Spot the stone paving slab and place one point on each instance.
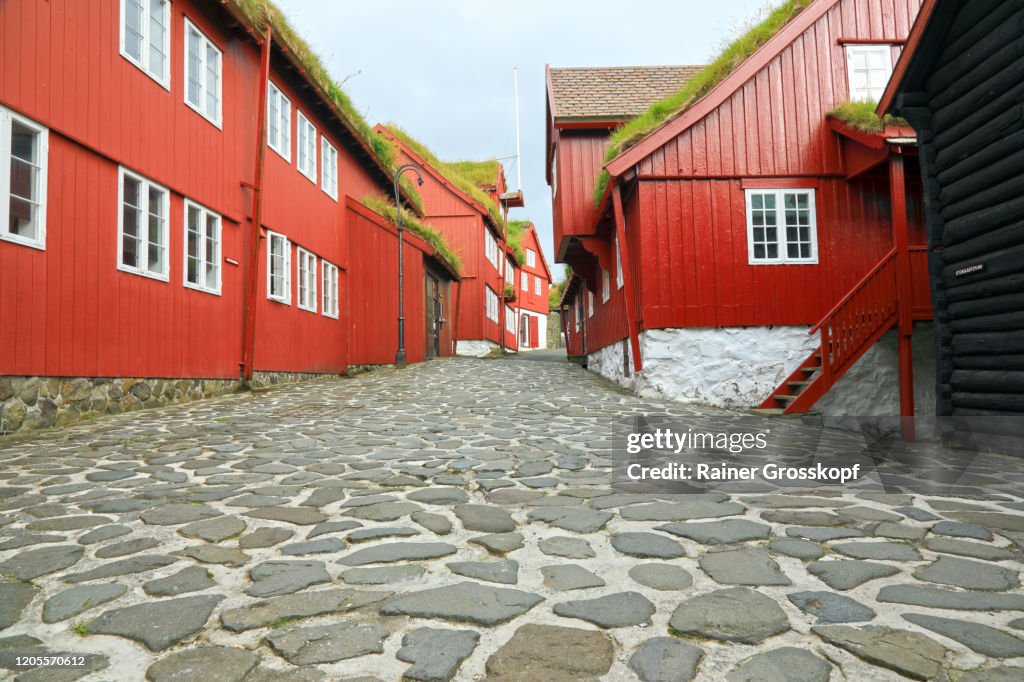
(453, 521)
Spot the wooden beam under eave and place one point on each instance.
(627, 277)
(904, 294)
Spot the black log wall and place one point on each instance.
(969, 115)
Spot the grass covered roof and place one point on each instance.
(462, 174)
(378, 203)
(737, 52)
(260, 12)
(516, 231)
(861, 115)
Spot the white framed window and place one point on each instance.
(510, 320)
(203, 62)
(202, 248)
(24, 150)
(619, 278)
(536, 285)
(146, 37)
(279, 268)
(279, 122)
(329, 286)
(307, 279)
(524, 281)
(142, 236)
(606, 287)
(328, 168)
(531, 258)
(510, 273)
(490, 248)
(868, 68)
(781, 226)
(491, 304)
(305, 146)
(590, 304)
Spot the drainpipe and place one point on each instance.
(249, 321)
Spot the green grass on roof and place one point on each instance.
(516, 232)
(453, 173)
(861, 115)
(481, 173)
(386, 207)
(701, 84)
(259, 12)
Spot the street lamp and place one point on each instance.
(400, 355)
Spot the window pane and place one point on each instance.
(212, 251)
(156, 262)
(193, 245)
(773, 251)
(157, 35)
(23, 218)
(756, 201)
(792, 251)
(133, 29)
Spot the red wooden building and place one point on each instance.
(533, 280)
(754, 214)
(465, 205)
(151, 137)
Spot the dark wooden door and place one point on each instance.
(434, 315)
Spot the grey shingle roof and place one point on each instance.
(615, 92)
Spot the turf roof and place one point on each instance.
(386, 207)
(861, 115)
(258, 12)
(628, 134)
(516, 231)
(451, 171)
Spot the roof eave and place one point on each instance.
(718, 94)
(899, 73)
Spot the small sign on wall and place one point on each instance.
(969, 270)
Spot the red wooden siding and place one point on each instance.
(373, 306)
(528, 299)
(580, 156)
(67, 310)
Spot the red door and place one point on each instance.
(534, 334)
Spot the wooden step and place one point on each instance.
(799, 384)
(769, 411)
(811, 370)
(787, 399)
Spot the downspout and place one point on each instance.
(455, 325)
(627, 276)
(249, 321)
(565, 326)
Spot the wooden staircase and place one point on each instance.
(855, 324)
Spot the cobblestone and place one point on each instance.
(345, 529)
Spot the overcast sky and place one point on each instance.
(442, 69)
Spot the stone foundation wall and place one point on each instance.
(476, 348)
(28, 403)
(555, 337)
(739, 367)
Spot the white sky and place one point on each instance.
(442, 69)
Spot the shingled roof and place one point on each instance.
(613, 93)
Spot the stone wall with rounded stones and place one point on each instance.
(733, 367)
(28, 403)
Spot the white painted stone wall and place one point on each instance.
(476, 348)
(738, 367)
(542, 328)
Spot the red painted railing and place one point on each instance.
(852, 326)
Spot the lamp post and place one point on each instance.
(400, 355)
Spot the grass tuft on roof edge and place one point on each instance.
(451, 171)
(516, 231)
(378, 203)
(260, 11)
(860, 114)
(737, 52)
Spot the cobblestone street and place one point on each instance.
(454, 520)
